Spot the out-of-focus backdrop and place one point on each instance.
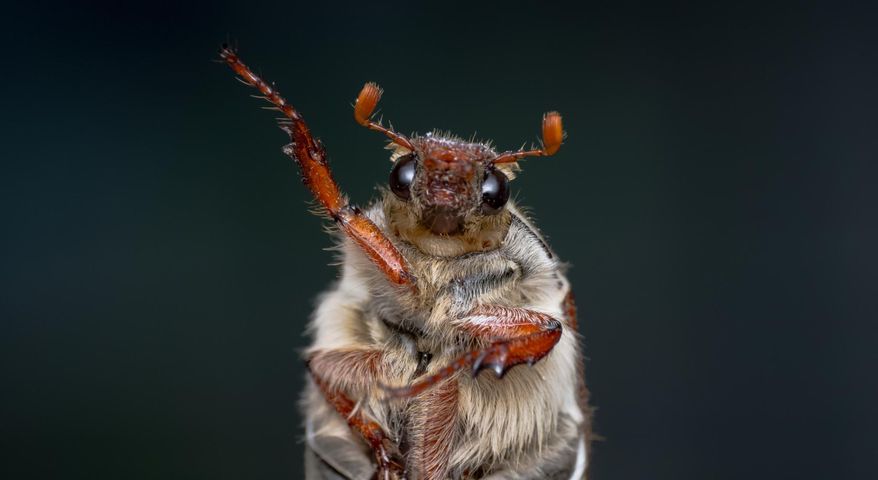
(715, 200)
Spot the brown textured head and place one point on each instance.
(445, 187)
(449, 183)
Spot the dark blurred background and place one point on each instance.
(715, 198)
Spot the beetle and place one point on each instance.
(441, 278)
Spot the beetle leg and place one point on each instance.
(516, 336)
(332, 371)
(310, 155)
(582, 390)
(433, 423)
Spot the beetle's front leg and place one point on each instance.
(336, 372)
(514, 335)
(310, 155)
(517, 336)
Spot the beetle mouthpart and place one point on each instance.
(443, 222)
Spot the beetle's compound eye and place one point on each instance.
(402, 176)
(495, 191)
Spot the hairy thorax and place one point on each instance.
(501, 422)
(523, 422)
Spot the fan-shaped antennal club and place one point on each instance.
(367, 100)
(553, 137)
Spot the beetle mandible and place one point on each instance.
(442, 277)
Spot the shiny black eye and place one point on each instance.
(495, 191)
(402, 175)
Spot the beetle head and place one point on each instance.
(451, 186)
(441, 178)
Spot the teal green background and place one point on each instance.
(715, 200)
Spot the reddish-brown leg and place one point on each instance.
(517, 336)
(433, 423)
(332, 370)
(582, 393)
(570, 313)
(310, 155)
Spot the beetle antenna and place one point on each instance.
(553, 136)
(367, 100)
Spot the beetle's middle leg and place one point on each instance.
(433, 424)
(513, 335)
(338, 371)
